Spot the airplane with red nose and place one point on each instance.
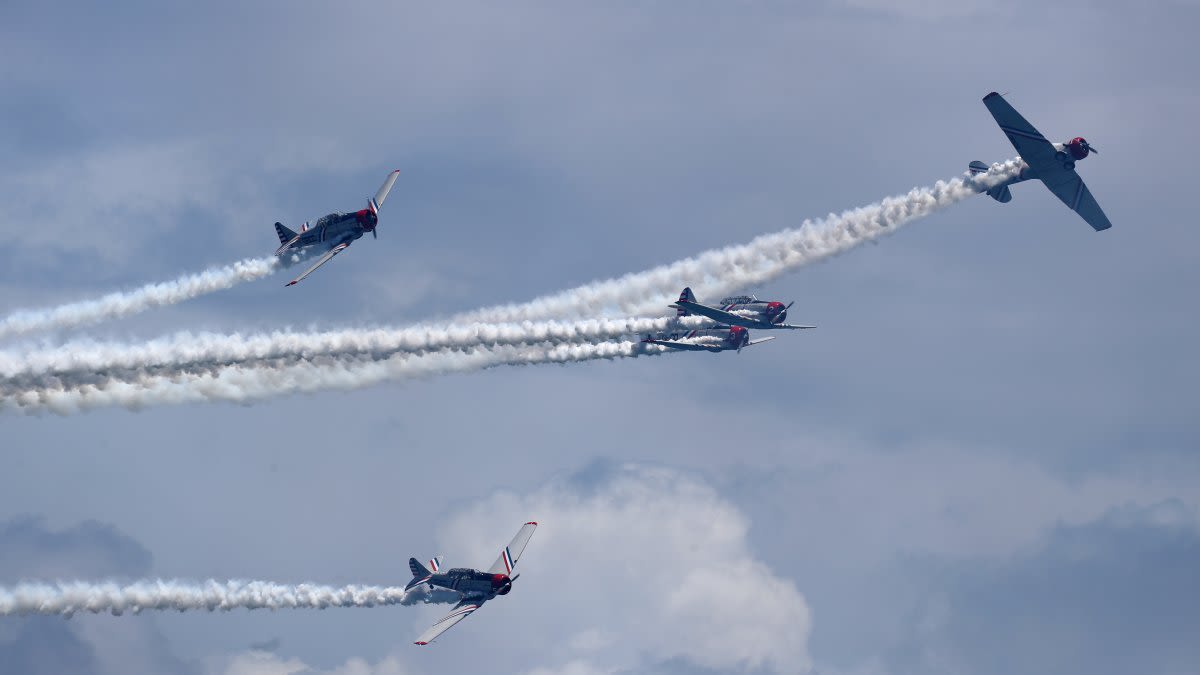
(474, 586)
(720, 339)
(332, 233)
(1051, 163)
(746, 311)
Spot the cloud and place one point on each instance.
(635, 565)
(1114, 595)
(32, 645)
(263, 663)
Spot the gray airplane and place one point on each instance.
(746, 311)
(332, 233)
(720, 339)
(1051, 163)
(475, 587)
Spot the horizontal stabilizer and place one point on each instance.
(1001, 194)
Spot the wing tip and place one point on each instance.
(532, 522)
(420, 643)
(990, 95)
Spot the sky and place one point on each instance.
(984, 459)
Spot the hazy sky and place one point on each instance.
(984, 460)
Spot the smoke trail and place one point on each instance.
(272, 374)
(243, 384)
(124, 303)
(67, 598)
(78, 362)
(716, 272)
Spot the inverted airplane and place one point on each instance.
(474, 586)
(333, 233)
(746, 311)
(1051, 163)
(720, 339)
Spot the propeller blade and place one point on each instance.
(789, 305)
(375, 234)
(1092, 149)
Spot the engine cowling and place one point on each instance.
(501, 584)
(776, 312)
(1078, 148)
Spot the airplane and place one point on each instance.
(475, 587)
(1051, 163)
(333, 233)
(746, 311)
(720, 339)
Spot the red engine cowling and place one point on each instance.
(1078, 148)
(738, 336)
(501, 584)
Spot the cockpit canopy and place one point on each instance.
(329, 219)
(738, 300)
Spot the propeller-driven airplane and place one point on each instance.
(720, 339)
(334, 232)
(475, 587)
(1051, 163)
(746, 311)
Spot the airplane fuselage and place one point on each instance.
(332, 230)
(1067, 154)
(473, 584)
(705, 339)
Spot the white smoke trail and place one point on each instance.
(125, 303)
(68, 597)
(269, 374)
(75, 362)
(243, 384)
(717, 272)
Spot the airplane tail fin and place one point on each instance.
(285, 235)
(1000, 193)
(376, 202)
(685, 296)
(420, 572)
(417, 569)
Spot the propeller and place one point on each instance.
(1091, 148)
(789, 305)
(375, 232)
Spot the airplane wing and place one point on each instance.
(461, 611)
(377, 202)
(1075, 194)
(320, 261)
(511, 553)
(684, 346)
(758, 341)
(1033, 147)
(718, 315)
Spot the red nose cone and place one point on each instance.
(1078, 147)
(499, 580)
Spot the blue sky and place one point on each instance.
(984, 459)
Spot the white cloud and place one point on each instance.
(633, 566)
(265, 663)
